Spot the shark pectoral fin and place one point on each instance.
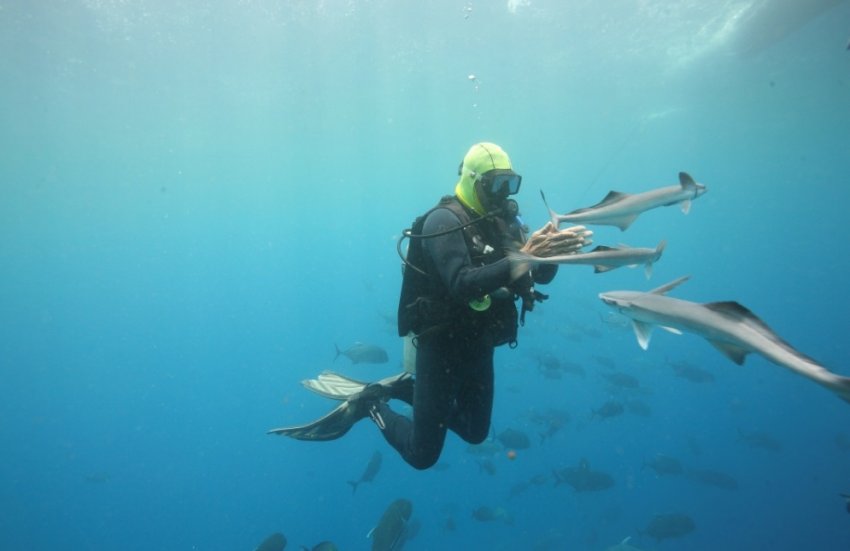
(671, 330)
(623, 222)
(732, 351)
(686, 206)
(643, 332)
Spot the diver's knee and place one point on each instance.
(423, 462)
(476, 434)
(425, 457)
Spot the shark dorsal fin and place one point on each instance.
(744, 315)
(612, 197)
(623, 221)
(664, 289)
(603, 248)
(737, 310)
(732, 308)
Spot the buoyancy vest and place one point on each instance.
(425, 303)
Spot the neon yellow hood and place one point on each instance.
(481, 157)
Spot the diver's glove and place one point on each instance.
(550, 241)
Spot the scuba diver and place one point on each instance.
(458, 302)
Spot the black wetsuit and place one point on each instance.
(453, 388)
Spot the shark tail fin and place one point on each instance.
(553, 216)
(686, 181)
(658, 250)
(842, 388)
(521, 262)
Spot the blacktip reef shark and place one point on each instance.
(602, 258)
(621, 209)
(728, 326)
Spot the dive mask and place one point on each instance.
(500, 182)
(493, 187)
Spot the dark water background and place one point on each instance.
(199, 199)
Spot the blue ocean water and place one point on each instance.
(200, 199)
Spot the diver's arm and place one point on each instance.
(451, 259)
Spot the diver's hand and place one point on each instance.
(549, 241)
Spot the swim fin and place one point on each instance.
(333, 385)
(339, 387)
(357, 404)
(330, 427)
